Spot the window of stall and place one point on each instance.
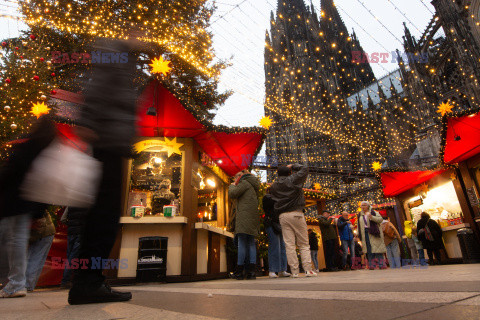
(211, 190)
(155, 182)
(441, 203)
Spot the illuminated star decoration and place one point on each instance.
(172, 146)
(444, 108)
(317, 186)
(39, 109)
(266, 122)
(160, 66)
(376, 166)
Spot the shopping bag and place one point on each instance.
(62, 175)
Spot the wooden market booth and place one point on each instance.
(449, 193)
(182, 162)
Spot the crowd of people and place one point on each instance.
(374, 243)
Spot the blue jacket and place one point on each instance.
(344, 229)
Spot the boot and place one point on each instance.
(251, 271)
(238, 273)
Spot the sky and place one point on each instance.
(239, 29)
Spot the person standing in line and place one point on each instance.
(357, 263)
(371, 235)
(41, 238)
(418, 246)
(75, 219)
(277, 256)
(430, 234)
(346, 237)
(329, 236)
(247, 221)
(313, 240)
(392, 242)
(287, 191)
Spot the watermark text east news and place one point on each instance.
(92, 57)
(388, 57)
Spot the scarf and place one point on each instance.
(373, 229)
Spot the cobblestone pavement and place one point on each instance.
(439, 292)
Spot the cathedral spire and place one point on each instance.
(370, 103)
(287, 6)
(393, 91)
(381, 94)
(358, 104)
(330, 18)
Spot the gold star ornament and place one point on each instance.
(172, 146)
(444, 108)
(160, 66)
(317, 186)
(39, 109)
(266, 122)
(376, 166)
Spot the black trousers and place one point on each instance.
(102, 220)
(330, 253)
(431, 253)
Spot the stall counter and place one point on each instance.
(452, 245)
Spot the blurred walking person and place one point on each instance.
(287, 191)
(16, 213)
(277, 256)
(247, 222)
(107, 121)
(41, 238)
(346, 237)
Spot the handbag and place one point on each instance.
(428, 233)
(62, 175)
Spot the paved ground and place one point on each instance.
(440, 292)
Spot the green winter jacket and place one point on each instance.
(247, 219)
(327, 228)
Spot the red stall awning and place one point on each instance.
(462, 138)
(395, 183)
(231, 148)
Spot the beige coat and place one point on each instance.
(377, 243)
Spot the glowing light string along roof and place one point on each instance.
(110, 19)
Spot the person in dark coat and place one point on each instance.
(287, 191)
(434, 245)
(247, 221)
(329, 236)
(75, 219)
(313, 241)
(107, 121)
(277, 256)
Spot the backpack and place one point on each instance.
(389, 231)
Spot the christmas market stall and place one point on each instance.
(175, 199)
(460, 148)
(434, 192)
(177, 186)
